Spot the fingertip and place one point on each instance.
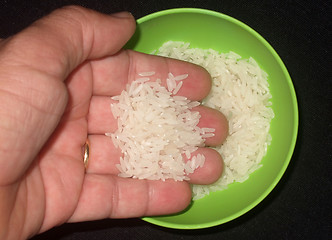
(198, 84)
(69, 36)
(222, 127)
(101, 34)
(169, 197)
(206, 75)
(211, 170)
(123, 15)
(212, 118)
(126, 18)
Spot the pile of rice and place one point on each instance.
(157, 131)
(240, 90)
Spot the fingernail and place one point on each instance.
(122, 15)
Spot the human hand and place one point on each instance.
(55, 81)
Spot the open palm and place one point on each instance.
(56, 79)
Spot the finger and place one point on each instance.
(210, 171)
(100, 117)
(68, 37)
(79, 91)
(106, 196)
(211, 118)
(113, 73)
(101, 120)
(104, 156)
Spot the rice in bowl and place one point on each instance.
(240, 90)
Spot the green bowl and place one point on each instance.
(208, 29)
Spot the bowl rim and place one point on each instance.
(259, 199)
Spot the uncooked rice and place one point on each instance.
(157, 130)
(240, 90)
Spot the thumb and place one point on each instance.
(33, 66)
(61, 41)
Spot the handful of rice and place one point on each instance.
(157, 131)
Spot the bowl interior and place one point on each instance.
(208, 29)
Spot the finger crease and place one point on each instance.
(131, 66)
(115, 198)
(150, 198)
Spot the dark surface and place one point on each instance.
(300, 31)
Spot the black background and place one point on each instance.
(300, 31)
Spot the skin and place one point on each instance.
(55, 81)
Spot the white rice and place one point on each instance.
(154, 130)
(146, 74)
(240, 90)
(157, 129)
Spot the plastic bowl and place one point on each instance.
(208, 29)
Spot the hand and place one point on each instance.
(55, 81)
